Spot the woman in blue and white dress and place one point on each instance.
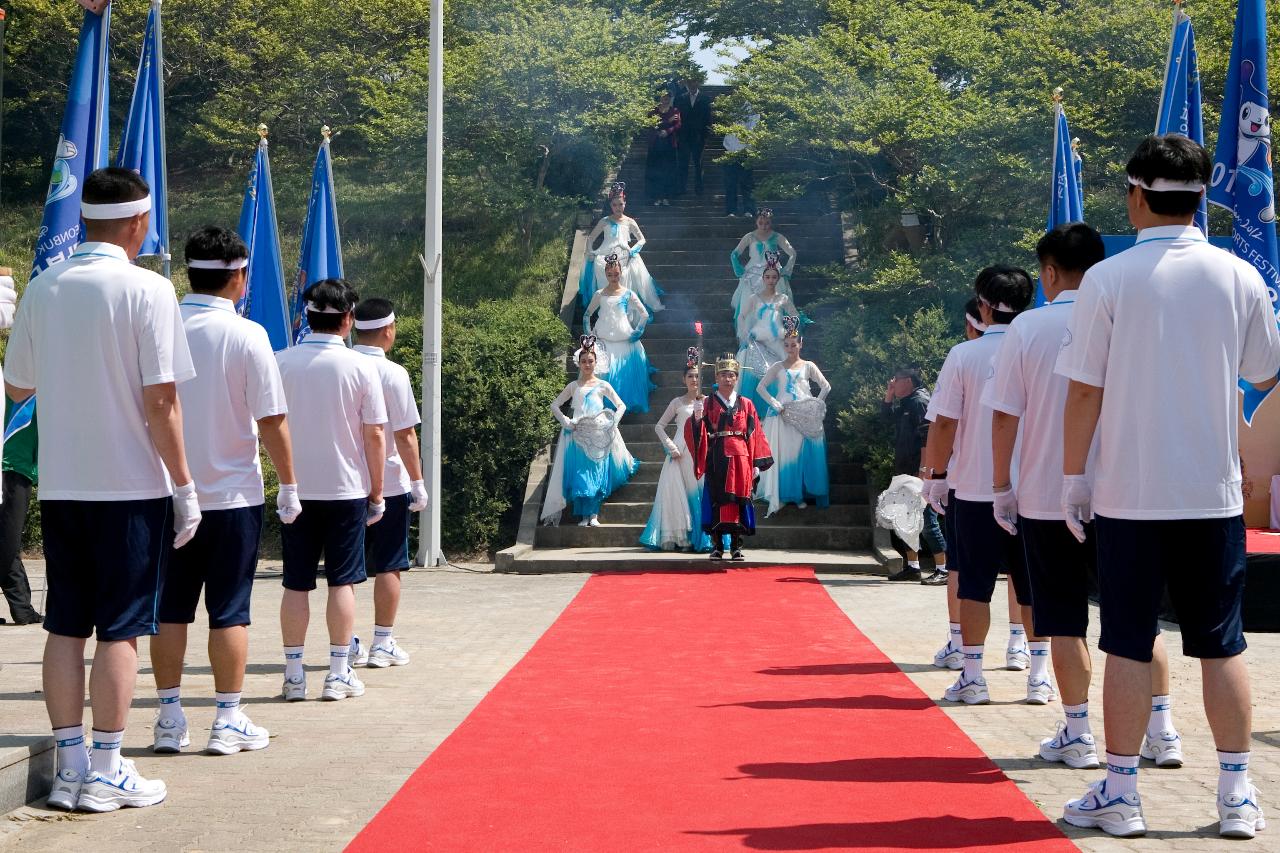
(620, 318)
(757, 244)
(794, 429)
(676, 520)
(760, 332)
(615, 232)
(591, 459)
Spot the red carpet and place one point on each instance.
(1260, 540)
(707, 712)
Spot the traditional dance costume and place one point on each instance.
(635, 275)
(591, 459)
(676, 519)
(751, 276)
(621, 359)
(794, 428)
(760, 332)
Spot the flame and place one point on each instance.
(697, 327)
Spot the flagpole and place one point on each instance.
(2, 27)
(166, 256)
(1168, 60)
(429, 551)
(1057, 112)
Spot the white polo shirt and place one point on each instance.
(332, 393)
(958, 395)
(1165, 328)
(1026, 386)
(91, 332)
(402, 413)
(237, 384)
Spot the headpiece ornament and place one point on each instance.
(727, 362)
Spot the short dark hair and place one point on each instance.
(1176, 158)
(912, 373)
(1073, 247)
(114, 185)
(971, 309)
(373, 308)
(332, 293)
(213, 243)
(1000, 284)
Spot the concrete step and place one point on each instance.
(636, 559)
(797, 537)
(854, 515)
(637, 491)
(717, 256)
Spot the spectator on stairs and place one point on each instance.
(615, 231)
(757, 244)
(676, 520)
(620, 318)
(905, 402)
(660, 167)
(738, 179)
(694, 106)
(760, 332)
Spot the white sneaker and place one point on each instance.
(1017, 658)
(387, 654)
(66, 789)
(126, 789)
(1078, 752)
(1121, 816)
(949, 657)
(294, 689)
(338, 687)
(231, 736)
(586, 522)
(170, 736)
(968, 692)
(1240, 817)
(1165, 751)
(358, 654)
(1040, 692)
(593, 521)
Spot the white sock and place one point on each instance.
(1161, 719)
(1077, 719)
(1122, 774)
(1017, 636)
(293, 662)
(383, 635)
(1039, 661)
(106, 753)
(228, 706)
(972, 662)
(171, 704)
(338, 659)
(954, 639)
(1233, 773)
(71, 752)
(913, 564)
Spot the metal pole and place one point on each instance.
(429, 552)
(2, 26)
(166, 256)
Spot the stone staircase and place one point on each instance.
(688, 254)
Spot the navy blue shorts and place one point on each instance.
(386, 544)
(1201, 560)
(1063, 572)
(332, 529)
(221, 559)
(984, 550)
(949, 531)
(104, 565)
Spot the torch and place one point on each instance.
(697, 333)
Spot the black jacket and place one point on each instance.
(910, 430)
(695, 118)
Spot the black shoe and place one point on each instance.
(28, 619)
(736, 555)
(717, 554)
(936, 579)
(907, 574)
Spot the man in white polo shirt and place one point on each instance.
(336, 417)
(1158, 337)
(1028, 399)
(386, 544)
(235, 398)
(960, 432)
(101, 341)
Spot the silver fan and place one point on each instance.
(594, 433)
(806, 415)
(900, 508)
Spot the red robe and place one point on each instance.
(728, 460)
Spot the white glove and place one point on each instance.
(776, 405)
(1077, 503)
(674, 452)
(698, 408)
(186, 514)
(8, 301)
(1005, 509)
(374, 513)
(288, 507)
(935, 492)
(418, 493)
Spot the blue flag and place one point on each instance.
(142, 146)
(1066, 197)
(264, 299)
(82, 145)
(321, 255)
(1180, 105)
(1242, 178)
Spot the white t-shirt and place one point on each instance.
(958, 395)
(332, 393)
(237, 384)
(1026, 387)
(1165, 328)
(402, 413)
(91, 332)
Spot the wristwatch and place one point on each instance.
(927, 473)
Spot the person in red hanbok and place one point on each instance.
(728, 445)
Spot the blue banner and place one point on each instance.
(1242, 178)
(264, 299)
(82, 145)
(1180, 104)
(1066, 198)
(321, 255)
(142, 144)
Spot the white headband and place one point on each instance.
(981, 327)
(316, 309)
(369, 325)
(121, 210)
(1165, 185)
(1001, 307)
(201, 264)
